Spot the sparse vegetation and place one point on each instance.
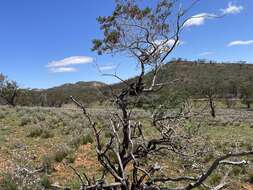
(222, 135)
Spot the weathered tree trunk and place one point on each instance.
(212, 106)
(248, 105)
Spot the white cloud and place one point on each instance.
(232, 9)
(240, 42)
(63, 69)
(198, 19)
(206, 53)
(74, 60)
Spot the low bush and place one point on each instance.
(41, 117)
(35, 132)
(25, 120)
(47, 163)
(70, 158)
(81, 140)
(39, 132)
(46, 134)
(214, 179)
(7, 182)
(87, 139)
(45, 182)
(60, 154)
(2, 115)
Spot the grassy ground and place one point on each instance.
(56, 138)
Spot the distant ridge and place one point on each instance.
(228, 77)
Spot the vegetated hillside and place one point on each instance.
(198, 79)
(86, 92)
(195, 72)
(194, 79)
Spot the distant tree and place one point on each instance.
(25, 99)
(55, 98)
(210, 93)
(229, 102)
(43, 99)
(208, 85)
(9, 90)
(246, 90)
(232, 88)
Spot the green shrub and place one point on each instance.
(25, 120)
(73, 184)
(113, 157)
(8, 183)
(236, 171)
(46, 134)
(2, 115)
(59, 155)
(35, 132)
(208, 157)
(87, 139)
(81, 140)
(75, 142)
(47, 164)
(71, 158)
(41, 117)
(39, 132)
(45, 182)
(53, 122)
(108, 134)
(214, 179)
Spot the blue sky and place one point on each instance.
(45, 43)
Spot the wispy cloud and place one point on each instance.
(198, 19)
(240, 43)
(62, 66)
(206, 53)
(232, 9)
(74, 60)
(107, 67)
(63, 69)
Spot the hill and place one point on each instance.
(87, 92)
(195, 78)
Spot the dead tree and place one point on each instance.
(130, 155)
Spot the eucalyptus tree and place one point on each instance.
(246, 90)
(9, 90)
